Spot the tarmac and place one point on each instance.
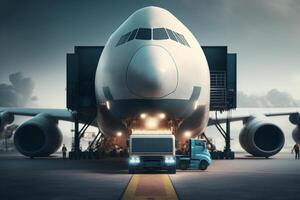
(56, 179)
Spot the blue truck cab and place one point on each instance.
(196, 157)
(152, 152)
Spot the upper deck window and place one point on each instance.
(159, 34)
(143, 34)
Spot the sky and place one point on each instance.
(35, 36)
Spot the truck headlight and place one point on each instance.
(134, 160)
(169, 160)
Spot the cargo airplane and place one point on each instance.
(152, 75)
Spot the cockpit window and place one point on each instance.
(178, 37)
(171, 35)
(183, 39)
(143, 34)
(133, 33)
(159, 34)
(123, 38)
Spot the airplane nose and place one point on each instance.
(152, 73)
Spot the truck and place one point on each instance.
(152, 152)
(196, 156)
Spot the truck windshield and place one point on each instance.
(155, 145)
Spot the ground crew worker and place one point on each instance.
(296, 148)
(64, 151)
(186, 147)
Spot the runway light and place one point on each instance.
(107, 105)
(187, 134)
(119, 134)
(143, 115)
(162, 115)
(151, 123)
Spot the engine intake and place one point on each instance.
(38, 137)
(295, 118)
(261, 138)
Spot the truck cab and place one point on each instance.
(152, 152)
(196, 156)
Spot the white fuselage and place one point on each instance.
(140, 73)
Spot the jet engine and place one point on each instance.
(38, 137)
(261, 138)
(295, 119)
(6, 118)
(296, 134)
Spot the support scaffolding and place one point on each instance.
(76, 152)
(227, 153)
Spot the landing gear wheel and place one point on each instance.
(183, 165)
(172, 170)
(203, 165)
(131, 170)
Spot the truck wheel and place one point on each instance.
(203, 165)
(131, 170)
(183, 165)
(172, 170)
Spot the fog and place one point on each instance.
(273, 98)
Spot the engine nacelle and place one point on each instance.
(6, 118)
(38, 137)
(295, 118)
(261, 138)
(296, 134)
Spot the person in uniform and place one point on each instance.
(296, 148)
(64, 151)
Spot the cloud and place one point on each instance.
(274, 98)
(18, 93)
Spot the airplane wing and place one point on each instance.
(60, 114)
(245, 117)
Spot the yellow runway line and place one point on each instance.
(150, 187)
